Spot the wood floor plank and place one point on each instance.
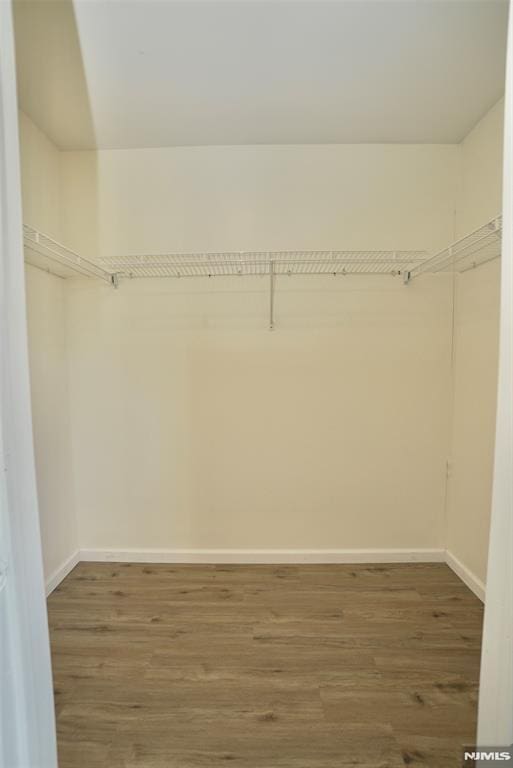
(296, 666)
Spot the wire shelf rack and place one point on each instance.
(46, 253)
(478, 247)
(265, 263)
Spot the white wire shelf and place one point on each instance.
(478, 247)
(46, 253)
(178, 265)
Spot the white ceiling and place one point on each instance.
(162, 73)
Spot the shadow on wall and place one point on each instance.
(52, 86)
(53, 91)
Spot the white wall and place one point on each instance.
(242, 434)
(194, 427)
(203, 429)
(480, 197)
(476, 350)
(261, 197)
(41, 179)
(46, 308)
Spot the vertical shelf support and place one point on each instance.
(271, 295)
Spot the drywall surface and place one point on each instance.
(46, 309)
(260, 198)
(194, 426)
(40, 176)
(46, 305)
(475, 394)
(475, 354)
(480, 197)
(203, 429)
(215, 433)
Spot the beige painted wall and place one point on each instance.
(330, 433)
(476, 350)
(480, 196)
(262, 197)
(41, 179)
(46, 307)
(203, 429)
(194, 427)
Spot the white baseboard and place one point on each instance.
(62, 571)
(468, 578)
(271, 556)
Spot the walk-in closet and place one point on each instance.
(262, 266)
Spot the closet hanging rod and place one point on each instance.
(42, 248)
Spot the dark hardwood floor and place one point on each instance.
(324, 666)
